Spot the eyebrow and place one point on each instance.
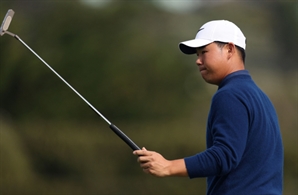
(200, 48)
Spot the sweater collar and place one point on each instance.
(233, 75)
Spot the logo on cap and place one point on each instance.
(200, 29)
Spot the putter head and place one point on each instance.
(6, 22)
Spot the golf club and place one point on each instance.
(5, 24)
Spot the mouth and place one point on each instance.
(202, 68)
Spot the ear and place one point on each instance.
(230, 49)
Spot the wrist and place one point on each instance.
(177, 168)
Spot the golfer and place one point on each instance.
(244, 152)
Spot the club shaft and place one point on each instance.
(3, 30)
(90, 105)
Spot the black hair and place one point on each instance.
(240, 49)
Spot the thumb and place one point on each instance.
(144, 148)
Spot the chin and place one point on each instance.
(210, 81)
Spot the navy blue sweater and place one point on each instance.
(244, 152)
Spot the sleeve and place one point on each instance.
(227, 132)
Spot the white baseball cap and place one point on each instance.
(216, 30)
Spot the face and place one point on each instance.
(213, 63)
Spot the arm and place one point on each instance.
(227, 134)
(228, 127)
(155, 164)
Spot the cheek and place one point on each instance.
(215, 63)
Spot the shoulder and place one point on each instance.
(230, 98)
(225, 96)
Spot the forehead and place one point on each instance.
(209, 46)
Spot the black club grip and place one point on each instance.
(124, 137)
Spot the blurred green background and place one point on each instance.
(123, 57)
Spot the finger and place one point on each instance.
(137, 152)
(143, 159)
(146, 170)
(141, 152)
(146, 166)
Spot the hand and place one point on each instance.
(153, 163)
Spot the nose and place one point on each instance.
(199, 61)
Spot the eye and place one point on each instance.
(201, 51)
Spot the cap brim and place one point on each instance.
(189, 47)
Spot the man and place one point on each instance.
(244, 152)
